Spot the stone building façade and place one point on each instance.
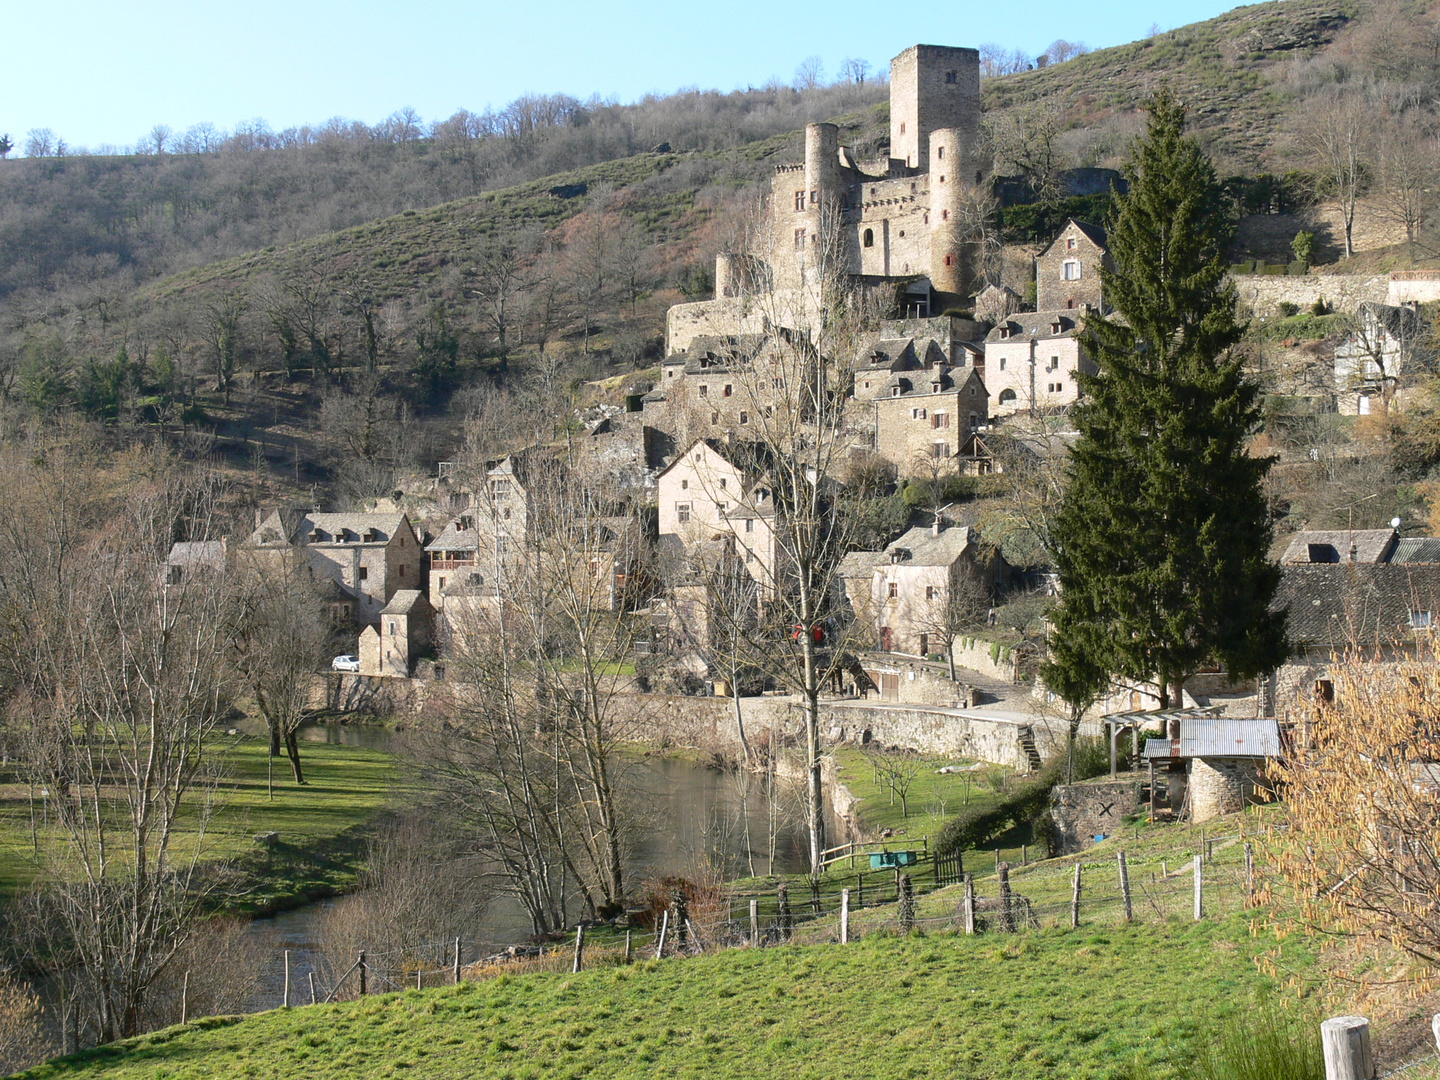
(1067, 273)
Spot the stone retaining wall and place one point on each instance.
(1263, 294)
(988, 658)
(1081, 812)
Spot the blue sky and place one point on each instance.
(106, 72)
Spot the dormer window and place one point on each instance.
(1005, 332)
(1057, 327)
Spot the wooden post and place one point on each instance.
(361, 963)
(1249, 870)
(660, 942)
(1075, 901)
(937, 870)
(579, 949)
(311, 976)
(1164, 870)
(1151, 765)
(844, 916)
(285, 996)
(1346, 1041)
(1007, 921)
(1125, 885)
(185, 998)
(754, 922)
(1199, 889)
(967, 905)
(860, 889)
(455, 964)
(419, 984)
(628, 953)
(1024, 854)
(1209, 850)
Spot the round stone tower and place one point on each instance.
(952, 256)
(822, 163)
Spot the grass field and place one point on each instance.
(1051, 1003)
(319, 824)
(933, 796)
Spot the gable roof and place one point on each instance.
(919, 546)
(276, 529)
(1094, 233)
(1035, 326)
(406, 601)
(190, 554)
(1333, 604)
(1333, 546)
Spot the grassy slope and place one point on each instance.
(318, 852)
(1053, 1002)
(1229, 69)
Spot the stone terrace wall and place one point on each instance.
(983, 656)
(1264, 294)
(1081, 812)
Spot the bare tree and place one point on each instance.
(1027, 138)
(1061, 50)
(854, 70)
(1336, 139)
(810, 75)
(1408, 160)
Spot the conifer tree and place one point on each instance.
(1164, 533)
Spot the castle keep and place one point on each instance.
(897, 219)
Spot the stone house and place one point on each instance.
(1384, 611)
(1212, 765)
(1067, 273)
(906, 595)
(717, 490)
(189, 558)
(1032, 361)
(995, 302)
(1368, 546)
(370, 556)
(480, 542)
(921, 424)
(1386, 350)
(404, 633)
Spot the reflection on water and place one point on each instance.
(690, 824)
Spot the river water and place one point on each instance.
(692, 820)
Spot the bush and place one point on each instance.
(1288, 309)
(1320, 307)
(1298, 269)
(976, 827)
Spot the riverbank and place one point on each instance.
(320, 827)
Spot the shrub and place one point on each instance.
(1320, 307)
(1298, 268)
(975, 827)
(1288, 309)
(1303, 246)
(1262, 1043)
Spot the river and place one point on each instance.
(691, 815)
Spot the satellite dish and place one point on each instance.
(1395, 523)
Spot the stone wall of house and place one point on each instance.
(1413, 286)
(1053, 292)
(988, 658)
(1224, 786)
(1263, 294)
(721, 317)
(1079, 813)
(920, 683)
(906, 431)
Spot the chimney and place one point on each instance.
(938, 524)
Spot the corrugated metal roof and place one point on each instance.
(1215, 736)
(1158, 748)
(1417, 549)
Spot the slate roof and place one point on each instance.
(454, 538)
(1035, 326)
(922, 548)
(190, 554)
(1333, 604)
(1417, 549)
(1333, 546)
(273, 530)
(404, 602)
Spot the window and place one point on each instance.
(727, 391)
(724, 481)
(799, 238)
(477, 579)
(364, 573)
(949, 260)
(682, 512)
(750, 525)
(684, 485)
(942, 178)
(714, 418)
(924, 644)
(1324, 691)
(940, 154)
(912, 189)
(392, 626)
(1070, 270)
(1059, 387)
(894, 590)
(506, 514)
(1002, 363)
(974, 421)
(979, 176)
(952, 76)
(402, 569)
(902, 127)
(869, 238)
(1007, 396)
(814, 197)
(442, 583)
(929, 592)
(940, 420)
(704, 390)
(945, 216)
(942, 450)
(917, 414)
(1069, 243)
(744, 418)
(902, 237)
(1420, 620)
(721, 506)
(799, 200)
(778, 384)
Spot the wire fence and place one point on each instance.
(969, 893)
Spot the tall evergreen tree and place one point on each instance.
(1164, 532)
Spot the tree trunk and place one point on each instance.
(292, 748)
(274, 740)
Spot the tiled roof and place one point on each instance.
(1035, 325)
(1333, 546)
(273, 529)
(1334, 604)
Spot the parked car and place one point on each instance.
(346, 663)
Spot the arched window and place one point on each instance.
(1007, 396)
(869, 239)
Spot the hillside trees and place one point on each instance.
(1163, 532)
(1337, 141)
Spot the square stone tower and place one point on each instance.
(933, 86)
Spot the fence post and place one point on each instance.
(579, 950)
(311, 976)
(628, 953)
(906, 904)
(682, 921)
(1346, 1041)
(419, 979)
(185, 998)
(1007, 921)
(1075, 901)
(967, 905)
(860, 889)
(1199, 889)
(1209, 850)
(815, 895)
(455, 963)
(285, 997)
(844, 916)
(782, 916)
(1024, 854)
(1249, 870)
(361, 963)
(660, 941)
(754, 922)
(1125, 886)
(937, 870)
